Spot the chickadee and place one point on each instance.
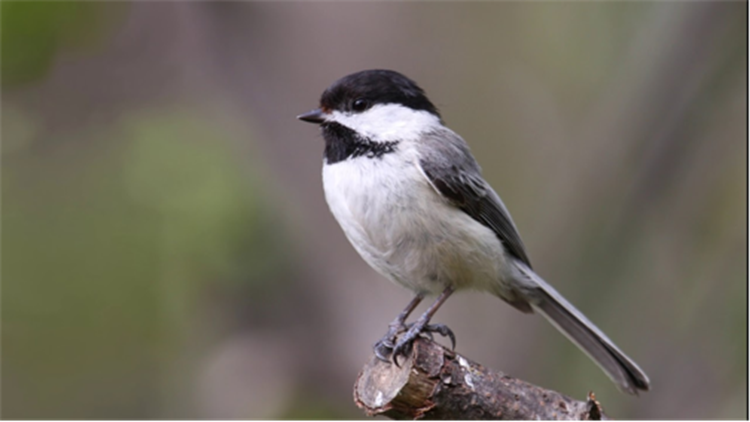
(411, 199)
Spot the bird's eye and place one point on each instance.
(360, 104)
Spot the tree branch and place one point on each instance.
(436, 383)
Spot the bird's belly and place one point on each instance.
(409, 233)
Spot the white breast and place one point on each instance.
(405, 230)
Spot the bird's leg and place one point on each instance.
(384, 346)
(422, 325)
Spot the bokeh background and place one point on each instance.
(167, 251)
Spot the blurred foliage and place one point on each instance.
(311, 405)
(32, 32)
(177, 167)
(111, 248)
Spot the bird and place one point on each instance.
(411, 199)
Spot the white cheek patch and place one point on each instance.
(388, 122)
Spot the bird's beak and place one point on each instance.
(313, 116)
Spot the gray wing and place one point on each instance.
(451, 169)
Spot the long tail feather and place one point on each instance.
(571, 322)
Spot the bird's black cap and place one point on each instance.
(361, 90)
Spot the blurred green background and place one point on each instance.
(167, 252)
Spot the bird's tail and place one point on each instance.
(566, 318)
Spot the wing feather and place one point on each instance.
(453, 172)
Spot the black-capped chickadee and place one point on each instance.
(412, 201)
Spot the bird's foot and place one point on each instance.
(384, 347)
(421, 327)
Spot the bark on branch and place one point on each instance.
(436, 383)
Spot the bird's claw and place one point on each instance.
(403, 346)
(443, 330)
(384, 347)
